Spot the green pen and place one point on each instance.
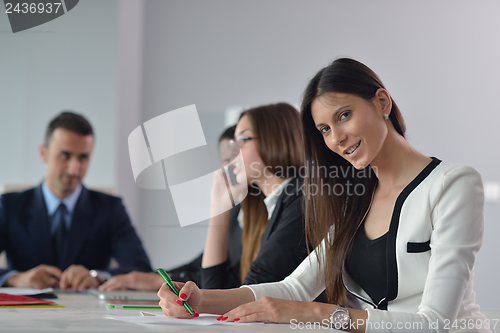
(168, 280)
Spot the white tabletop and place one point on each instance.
(86, 313)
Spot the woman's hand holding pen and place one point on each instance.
(265, 309)
(171, 304)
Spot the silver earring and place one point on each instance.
(386, 116)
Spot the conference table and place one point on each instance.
(86, 313)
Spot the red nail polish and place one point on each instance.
(225, 318)
(179, 302)
(196, 314)
(236, 319)
(183, 296)
(220, 317)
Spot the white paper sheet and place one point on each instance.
(25, 291)
(160, 319)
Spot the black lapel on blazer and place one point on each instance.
(292, 187)
(80, 226)
(38, 227)
(392, 266)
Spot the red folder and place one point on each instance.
(7, 299)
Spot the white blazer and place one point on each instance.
(435, 232)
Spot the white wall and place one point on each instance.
(438, 59)
(67, 63)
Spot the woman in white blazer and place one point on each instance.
(393, 228)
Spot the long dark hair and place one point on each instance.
(339, 212)
(279, 143)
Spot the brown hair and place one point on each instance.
(228, 133)
(337, 216)
(278, 131)
(70, 121)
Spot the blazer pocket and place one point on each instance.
(418, 247)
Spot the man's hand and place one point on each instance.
(42, 276)
(77, 277)
(133, 280)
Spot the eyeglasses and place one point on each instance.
(240, 141)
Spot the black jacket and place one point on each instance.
(282, 249)
(100, 229)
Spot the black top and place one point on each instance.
(282, 249)
(391, 267)
(188, 272)
(366, 263)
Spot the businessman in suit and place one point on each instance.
(60, 234)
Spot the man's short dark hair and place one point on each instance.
(70, 121)
(228, 133)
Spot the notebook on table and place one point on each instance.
(31, 292)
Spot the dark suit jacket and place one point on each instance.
(282, 249)
(100, 229)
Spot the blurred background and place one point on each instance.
(123, 62)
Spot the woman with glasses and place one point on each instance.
(399, 230)
(262, 241)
